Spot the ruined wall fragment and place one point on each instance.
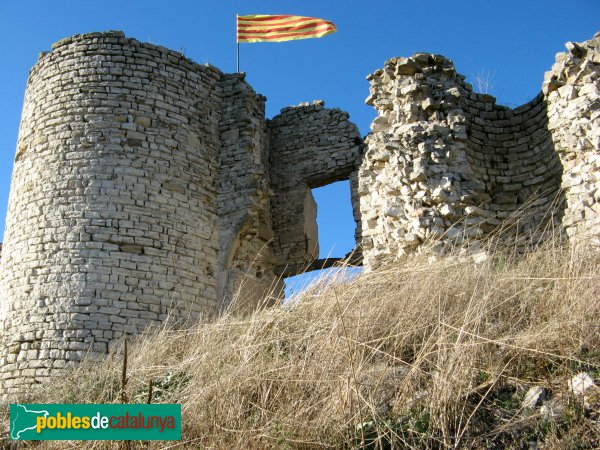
(573, 97)
(447, 165)
(310, 146)
(246, 259)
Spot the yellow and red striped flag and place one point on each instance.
(264, 28)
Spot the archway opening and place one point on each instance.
(336, 229)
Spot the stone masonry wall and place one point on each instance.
(112, 224)
(573, 96)
(311, 146)
(447, 165)
(143, 191)
(246, 259)
(149, 188)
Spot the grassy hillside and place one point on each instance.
(433, 354)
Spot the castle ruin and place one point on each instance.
(449, 165)
(149, 188)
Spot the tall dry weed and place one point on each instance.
(429, 354)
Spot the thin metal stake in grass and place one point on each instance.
(125, 445)
(123, 393)
(149, 392)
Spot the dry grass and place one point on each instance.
(426, 355)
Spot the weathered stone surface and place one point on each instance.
(445, 163)
(311, 146)
(146, 189)
(581, 384)
(574, 123)
(534, 397)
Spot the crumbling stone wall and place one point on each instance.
(142, 192)
(243, 202)
(573, 96)
(311, 146)
(446, 164)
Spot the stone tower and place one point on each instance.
(149, 188)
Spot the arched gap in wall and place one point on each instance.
(336, 235)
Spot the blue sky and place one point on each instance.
(514, 40)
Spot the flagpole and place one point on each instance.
(238, 44)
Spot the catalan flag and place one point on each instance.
(263, 28)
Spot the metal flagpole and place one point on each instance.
(238, 43)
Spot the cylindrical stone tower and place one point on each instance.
(112, 220)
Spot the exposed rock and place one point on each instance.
(552, 410)
(582, 384)
(534, 397)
